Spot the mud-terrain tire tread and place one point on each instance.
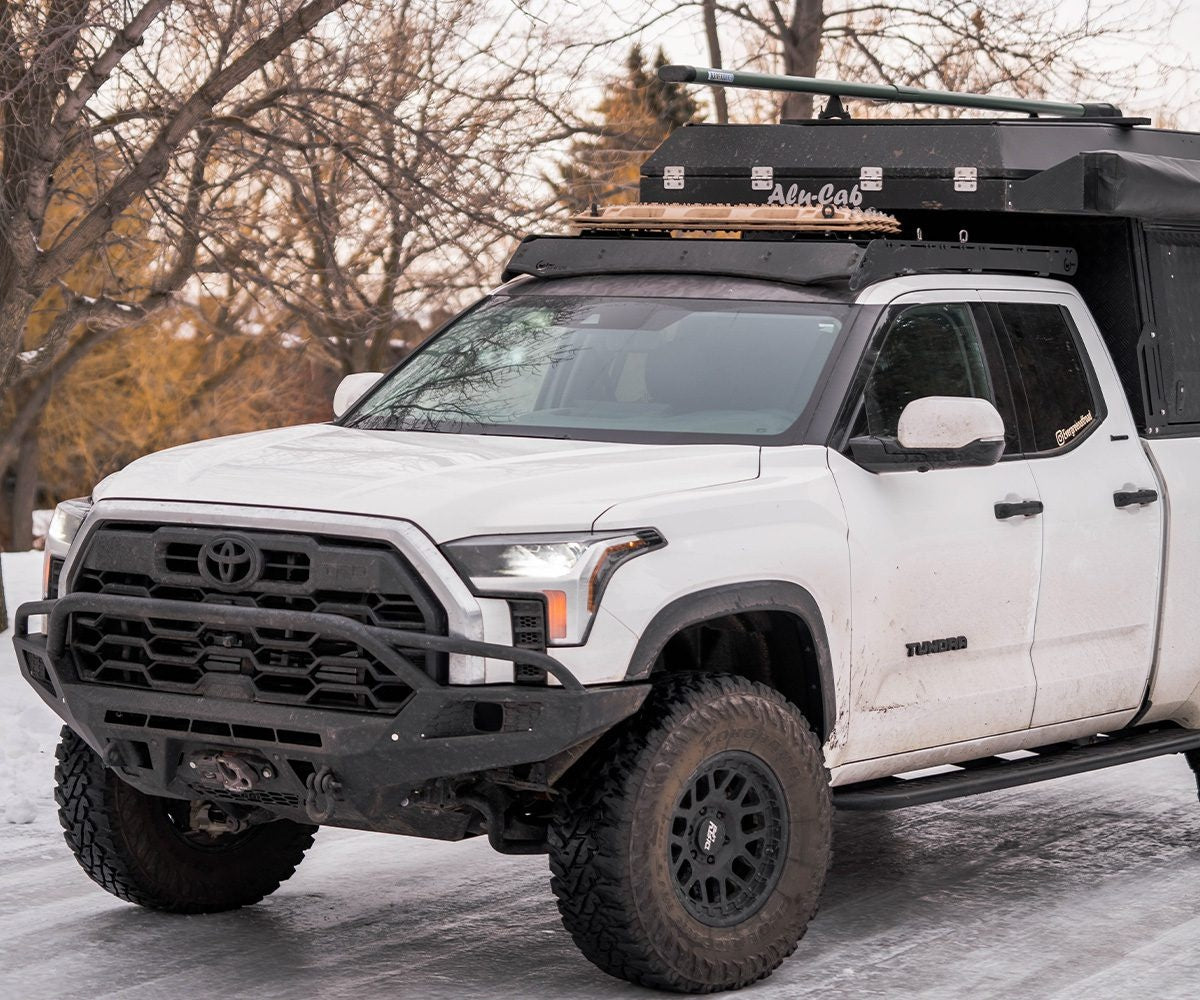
(115, 840)
(592, 819)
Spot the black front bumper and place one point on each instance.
(153, 738)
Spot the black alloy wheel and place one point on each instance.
(728, 838)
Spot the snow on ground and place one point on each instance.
(28, 729)
(1084, 887)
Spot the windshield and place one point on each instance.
(612, 367)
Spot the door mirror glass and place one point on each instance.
(352, 388)
(936, 432)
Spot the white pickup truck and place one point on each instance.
(647, 561)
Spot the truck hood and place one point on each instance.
(452, 485)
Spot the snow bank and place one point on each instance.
(41, 525)
(28, 729)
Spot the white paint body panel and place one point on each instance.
(930, 561)
(788, 525)
(1098, 599)
(1175, 687)
(452, 485)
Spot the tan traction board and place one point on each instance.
(794, 218)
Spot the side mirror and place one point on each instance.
(352, 388)
(936, 432)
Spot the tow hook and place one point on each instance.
(322, 793)
(210, 819)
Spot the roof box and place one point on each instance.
(1079, 168)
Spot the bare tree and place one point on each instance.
(137, 86)
(389, 186)
(344, 190)
(986, 45)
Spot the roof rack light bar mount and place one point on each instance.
(897, 258)
(888, 93)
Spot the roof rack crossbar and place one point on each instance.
(880, 92)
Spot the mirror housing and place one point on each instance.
(936, 432)
(352, 388)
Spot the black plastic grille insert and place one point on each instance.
(367, 581)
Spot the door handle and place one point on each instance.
(1135, 498)
(1023, 508)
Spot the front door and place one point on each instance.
(944, 589)
(1102, 523)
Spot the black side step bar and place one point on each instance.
(990, 774)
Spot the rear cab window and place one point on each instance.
(1052, 376)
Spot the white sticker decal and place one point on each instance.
(825, 195)
(1065, 435)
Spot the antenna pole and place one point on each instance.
(880, 92)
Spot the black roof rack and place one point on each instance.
(798, 262)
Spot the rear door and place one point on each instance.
(1102, 519)
(944, 589)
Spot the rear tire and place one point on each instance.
(139, 847)
(690, 849)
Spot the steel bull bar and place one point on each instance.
(346, 767)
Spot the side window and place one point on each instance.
(925, 350)
(1063, 404)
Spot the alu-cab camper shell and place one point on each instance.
(1124, 195)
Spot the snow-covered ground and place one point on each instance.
(1087, 887)
(28, 729)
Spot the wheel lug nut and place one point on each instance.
(712, 860)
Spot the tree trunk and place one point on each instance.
(20, 507)
(801, 52)
(16, 306)
(714, 59)
(24, 493)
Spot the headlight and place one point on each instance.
(64, 526)
(569, 570)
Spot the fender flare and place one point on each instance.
(738, 598)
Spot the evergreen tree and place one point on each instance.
(637, 112)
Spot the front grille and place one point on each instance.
(369, 582)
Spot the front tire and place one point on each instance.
(139, 847)
(689, 851)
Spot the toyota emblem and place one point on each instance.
(230, 561)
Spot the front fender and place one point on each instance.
(738, 598)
